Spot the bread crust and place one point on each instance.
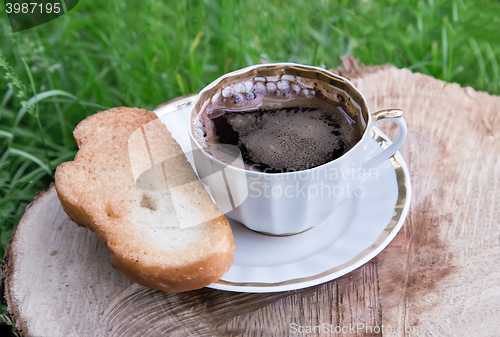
(176, 279)
(111, 222)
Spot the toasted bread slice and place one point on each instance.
(131, 184)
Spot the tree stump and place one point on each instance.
(438, 277)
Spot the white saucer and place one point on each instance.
(352, 236)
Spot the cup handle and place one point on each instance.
(390, 115)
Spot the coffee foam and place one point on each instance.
(270, 140)
(267, 140)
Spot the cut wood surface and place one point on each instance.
(438, 277)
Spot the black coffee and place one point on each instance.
(276, 140)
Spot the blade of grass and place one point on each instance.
(82, 103)
(60, 115)
(444, 41)
(20, 171)
(6, 97)
(28, 177)
(63, 4)
(31, 157)
(480, 60)
(181, 84)
(37, 98)
(194, 64)
(6, 134)
(494, 65)
(37, 115)
(6, 113)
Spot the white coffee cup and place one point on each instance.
(291, 202)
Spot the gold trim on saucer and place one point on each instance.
(400, 203)
(174, 106)
(401, 178)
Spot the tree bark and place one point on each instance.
(438, 277)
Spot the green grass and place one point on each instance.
(142, 53)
